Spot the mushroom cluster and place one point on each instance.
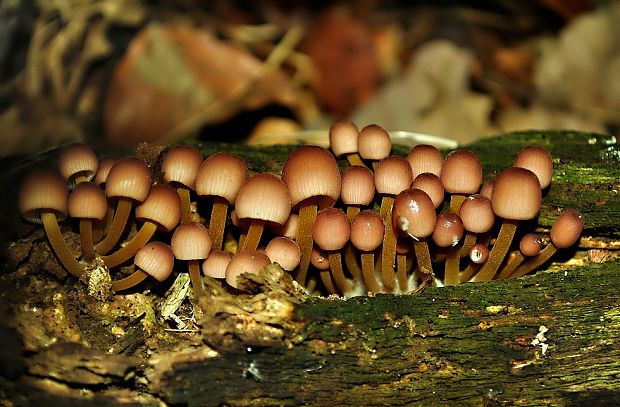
(386, 224)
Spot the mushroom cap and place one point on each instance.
(479, 253)
(516, 194)
(538, 160)
(358, 186)
(487, 188)
(105, 164)
(374, 142)
(284, 251)
(87, 201)
(43, 191)
(215, 265)
(180, 166)
(265, 197)
(162, 206)
(425, 158)
(477, 214)
(367, 231)
(393, 175)
(221, 174)
(78, 159)
(431, 184)
(311, 171)
(191, 241)
(331, 229)
(319, 259)
(288, 229)
(531, 244)
(343, 135)
(155, 259)
(448, 230)
(567, 228)
(128, 178)
(461, 172)
(246, 261)
(414, 214)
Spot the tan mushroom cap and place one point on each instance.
(538, 160)
(358, 186)
(247, 261)
(264, 197)
(367, 231)
(284, 251)
(180, 166)
(215, 265)
(332, 229)
(477, 214)
(461, 173)
(191, 241)
(221, 174)
(393, 175)
(162, 207)
(479, 253)
(288, 229)
(413, 214)
(567, 228)
(78, 159)
(516, 194)
(319, 259)
(129, 178)
(448, 230)
(43, 191)
(311, 171)
(374, 143)
(87, 201)
(531, 244)
(425, 158)
(105, 165)
(487, 189)
(343, 135)
(431, 184)
(156, 259)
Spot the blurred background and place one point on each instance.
(118, 72)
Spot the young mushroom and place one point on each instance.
(180, 169)
(87, 203)
(374, 143)
(367, 235)
(247, 261)
(43, 199)
(425, 158)
(77, 163)
(343, 141)
(529, 246)
(284, 251)
(538, 160)
(191, 242)
(155, 259)
(331, 232)
(215, 265)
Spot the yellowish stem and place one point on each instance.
(326, 278)
(130, 281)
(355, 159)
(499, 250)
(54, 236)
(217, 223)
(121, 215)
(335, 264)
(368, 271)
(254, 234)
(423, 257)
(401, 272)
(513, 262)
(352, 212)
(193, 267)
(184, 196)
(388, 252)
(350, 261)
(86, 239)
(131, 248)
(469, 272)
(537, 261)
(307, 215)
(456, 200)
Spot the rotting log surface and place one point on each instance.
(465, 345)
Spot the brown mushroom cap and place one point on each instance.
(567, 228)
(516, 194)
(358, 186)
(531, 244)
(78, 159)
(538, 160)
(288, 229)
(87, 201)
(311, 171)
(215, 265)
(155, 259)
(128, 178)
(479, 253)
(367, 231)
(105, 165)
(374, 143)
(43, 191)
(221, 174)
(191, 241)
(331, 229)
(477, 214)
(264, 197)
(319, 259)
(461, 173)
(425, 158)
(180, 166)
(284, 251)
(448, 230)
(431, 184)
(393, 175)
(247, 261)
(162, 207)
(414, 214)
(487, 189)
(343, 135)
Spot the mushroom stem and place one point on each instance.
(499, 250)
(350, 260)
(453, 257)
(368, 271)
(355, 159)
(468, 243)
(307, 215)
(514, 261)
(335, 264)
(131, 248)
(544, 255)
(326, 278)
(423, 257)
(193, 266)
(388, 252)
(217, 223)
(469, 272)
(80, 178)
(184, 196)
(123, 208)
(456, 200)
(130, 281)
(54, 235)
(254, 234)
(401, 272)
(86, 238)
(352, 211)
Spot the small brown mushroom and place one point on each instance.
(155, 259)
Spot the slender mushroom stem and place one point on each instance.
(544, 255)
(193, 267)
(499, 250)
(350, 258)
(368, 271)
(131, 248)
(335, 264)
(514, 261)
(123, 208)
(86, 238)
(469, 272)
(423, 257)
(401, 272)
(468, 243)
(132, 280)
(451, 274)
(254, 234)
(355, 159)
(388, 252)
(80, 178)
(456, 200)
(54, 235)
(307, 215)
(217, 223)
(184, 196)
(326, 278)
